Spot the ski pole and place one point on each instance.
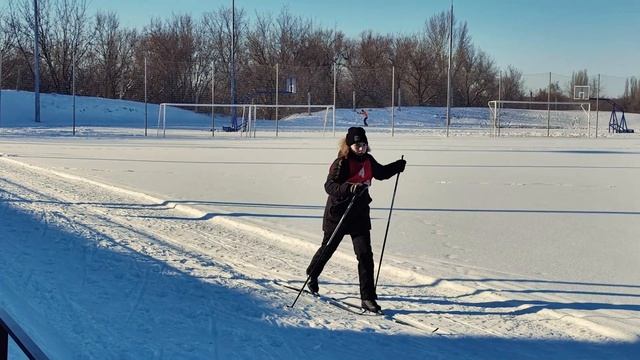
(326, 246)
(384, 243)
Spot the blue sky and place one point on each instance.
(536, 36)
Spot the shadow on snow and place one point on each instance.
(114, 302)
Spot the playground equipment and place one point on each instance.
(615, 125)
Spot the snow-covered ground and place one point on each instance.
(120, 246)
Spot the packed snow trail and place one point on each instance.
(114, 270)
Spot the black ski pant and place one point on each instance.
(361, 246)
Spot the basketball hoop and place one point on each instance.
(581, 92)
(291, 85)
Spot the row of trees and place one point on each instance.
(186, 59)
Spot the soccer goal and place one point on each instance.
(190, 119)
(294, 118)
(566, 118)
(244, 119)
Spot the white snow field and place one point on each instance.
(116, 246)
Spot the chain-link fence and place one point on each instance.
(87, 94)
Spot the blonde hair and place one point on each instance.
(343, 148)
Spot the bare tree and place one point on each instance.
(64, 29)
(422, 78)
(579, 78)
(631, 96)
(301, 51)
(369, 65)
(180, 65)
(556, 93)
(6, 36)
(217, 30)
(113, 57)
(437, 42)
(476, 79)
(6, 46)
(512, 84)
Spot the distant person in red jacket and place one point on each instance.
(365, 116)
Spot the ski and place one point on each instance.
(355, 309)
(327, 299)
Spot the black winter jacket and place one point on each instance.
(338, 188)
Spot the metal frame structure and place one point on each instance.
(248, 114)
(9, 328)
(615, 125)
(495, 105)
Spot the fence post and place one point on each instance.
(146, 124)
(497, 111)
(213, 96)
(597, 105)
(549, 107)
(36, 61)
(354, 100)
(73, 88)
(335, 81)
(393, 95)
(277, 89)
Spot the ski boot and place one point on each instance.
(372, 306)
(313, 286)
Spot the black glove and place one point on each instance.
(400, 165)
(357, 188)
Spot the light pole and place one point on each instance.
(36, 60)
(73, 87)
(449, 70)
(234, 121)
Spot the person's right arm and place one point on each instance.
(336, 184)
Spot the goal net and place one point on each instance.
(293, 118)
(540, 118)
(243, 119)
(190, 119)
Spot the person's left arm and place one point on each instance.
(383, 172)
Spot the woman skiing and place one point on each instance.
(365, 116)
(350, 175)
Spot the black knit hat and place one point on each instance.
(356, 135)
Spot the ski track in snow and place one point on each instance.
(161, 238)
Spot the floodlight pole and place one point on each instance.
(36, 60)
(549, 107)
(449, 69)
(497, 116)
(233, 64)
(393, 85)
(277, 90)
(597, 105)
(73, 88)
(335, 81)
(146, 120)
(213, 94)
